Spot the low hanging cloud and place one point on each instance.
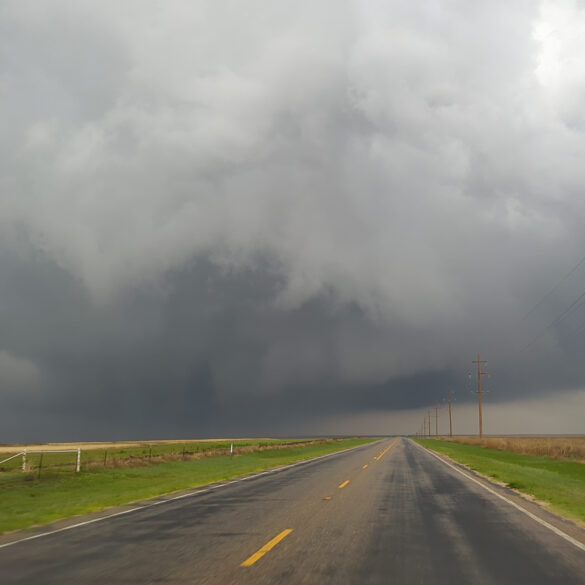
(18, 377)
(237, 218)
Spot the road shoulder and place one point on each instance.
(569, 526)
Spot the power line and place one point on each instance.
(554, 289)
(577, 331)
(575, 304)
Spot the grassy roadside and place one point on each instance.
(559, 483)
(134, 454)
(31, 501)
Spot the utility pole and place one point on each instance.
(479, 361)
(449, 399)
(429, 415)
(436, 420)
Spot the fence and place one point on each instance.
(27, 452)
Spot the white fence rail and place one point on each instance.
(11, 457)
(42, 451)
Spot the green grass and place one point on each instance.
(113, 454)
(560, 483)
(26, 500)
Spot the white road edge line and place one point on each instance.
(180, 497)
(542, 522)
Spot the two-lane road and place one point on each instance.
(388, 512)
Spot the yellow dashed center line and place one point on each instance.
(267, 547)
(272, 543)
(386, 450)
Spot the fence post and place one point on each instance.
(40, 465)
(24, 460)
(78, 460)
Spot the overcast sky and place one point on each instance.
(274, 217)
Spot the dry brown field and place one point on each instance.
(13, 448)
(553, 447)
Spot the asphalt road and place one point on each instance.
(387, 513)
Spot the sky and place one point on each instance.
(285, 218)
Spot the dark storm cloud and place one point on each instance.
(243, 220)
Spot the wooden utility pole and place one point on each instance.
(449, 399)
(429, 415)
(479, 361)
(436, 420)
